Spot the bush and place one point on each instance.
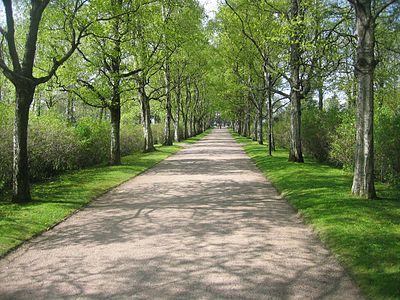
(281, 130)
(158, 133)
(387, 145)
(131, 139)
(343, 142)
(94, 141)
(317, 129)
(6, 139)
(52, 146)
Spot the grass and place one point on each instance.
(59, 197)
(363, 234)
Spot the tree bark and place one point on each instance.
(363, 180)
(270, 116)
(191, 126)
(295, 152)
(115, 106)
(185, 109)
(320, 98)
(168, 139)
(115, 153)
(185, 126)
(260, 123)
(240, 126)
(21, 188)
(255, 124)
(246, 130)
(268, 87)
(178, 109)
(70, 110)
(146, 120)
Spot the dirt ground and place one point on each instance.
(203, 224)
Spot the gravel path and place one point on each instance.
(203, 224)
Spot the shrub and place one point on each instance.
(52, 146)
(158, 133)
(94, 141)
(387, 145)
(317, 129)
(281, 130)
(343, 142)
(6, 129)
(131, 139)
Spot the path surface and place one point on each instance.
(203, 224)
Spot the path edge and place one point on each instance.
(303, 220)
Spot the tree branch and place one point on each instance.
(31, 40)
(381, 9)
(10, 35)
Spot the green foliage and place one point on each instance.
(55, 145)
(387, 145)
(158, 133)
(6, 129)
(282, 130)
(363, 234)
(131, 138)
(317, 129)
(93, 137)
(343, 142)
(52, 146)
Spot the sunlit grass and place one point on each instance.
(364, 234)
(57, 198)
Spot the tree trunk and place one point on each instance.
(115, 153)
(363, 180)
(295, 152)
(178, 109)
(191, 125)
(255, 132)
(168, 139)
(115, 107)
(146, 120)
(248, 121)
(320, 98)
(270, 115)
(70, 110)
(185, 109)
(185, 127)
(21, 189)
(246, 128)
(240, 127)
(260, 123)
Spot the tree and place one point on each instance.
(363, 180)
(21, 74)
(166, 15)
(105, 74)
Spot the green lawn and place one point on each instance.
(59, 197)
(364, 234)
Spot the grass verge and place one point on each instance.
(59, 197)
(363, 234)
